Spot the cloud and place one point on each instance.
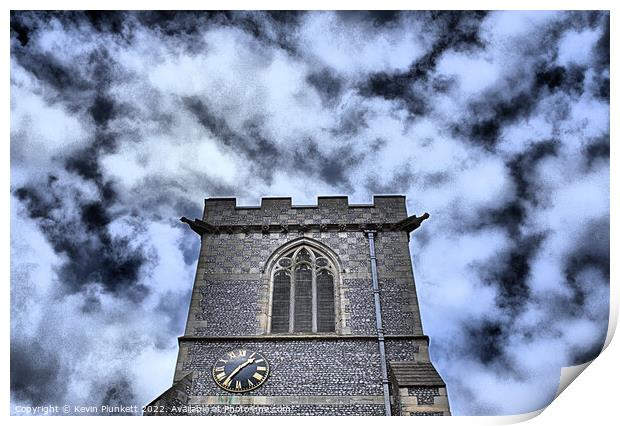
(494, 122)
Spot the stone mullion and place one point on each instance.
(291, 308)
(314, 299)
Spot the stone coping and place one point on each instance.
(408, 225)
(276, 337)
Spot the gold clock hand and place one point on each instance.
(236, 370)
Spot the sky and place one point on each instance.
(496, 123)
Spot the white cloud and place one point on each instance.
(352, 49)
(575, 47)
(474, 74)
(505, 25)
(40, 130)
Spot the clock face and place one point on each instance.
(240, 370)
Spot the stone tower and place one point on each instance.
(304, 310)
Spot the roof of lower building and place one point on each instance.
(415, 374)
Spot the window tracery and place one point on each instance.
(303, 292)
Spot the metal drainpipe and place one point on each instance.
(380, 336)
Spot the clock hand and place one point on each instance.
(236, 370)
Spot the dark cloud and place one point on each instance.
(104, 21)
(327, 84)
(522, 169)
(274, 28)
(504, 106)
(171, 198)
(102, 110)
(94, 254)
(591, 254)
(454, 30)
(352, 122)
(459, 31)
(513, 215)
(488, 115)
(20, 29)
(248, 142)
(602, 58)
(400, 87)
(487, 341)
(40, 203)
(510, 216)
(580, 356)
(377, 18)
(331, 167)
(597, 149)
(591, 251)
(510, 272)
(85, 162)
(561, 78)
(91, 304)
(118, 394)
(51, 71)
(94, 216)
(400, 182)
(35, 373)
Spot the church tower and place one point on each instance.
(304, 310)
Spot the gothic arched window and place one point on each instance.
(303, 292)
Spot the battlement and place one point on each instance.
(328, 210)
